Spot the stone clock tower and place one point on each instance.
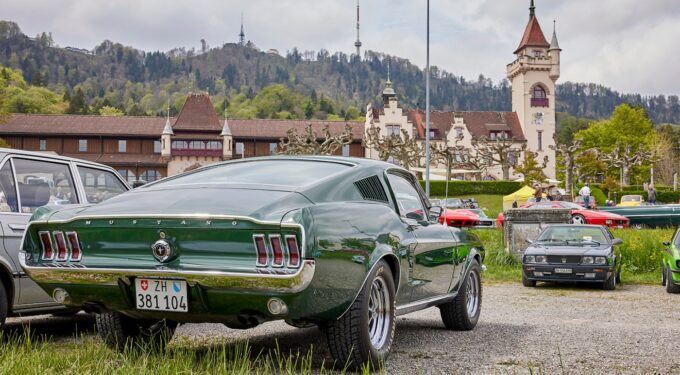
(533, 75)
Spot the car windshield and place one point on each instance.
(478, 211)
(284, 172)
(570, 235)
(453, 202)
(631, 198)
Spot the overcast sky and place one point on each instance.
(629, 45)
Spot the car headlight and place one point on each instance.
(529, 259)
(587, 260)
(541, 259)
(600, 260)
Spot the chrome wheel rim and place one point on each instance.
(472, 294)
(577, 220)
(379, 313)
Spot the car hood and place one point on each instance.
(601, 214)
(265, 205)
(567, 250)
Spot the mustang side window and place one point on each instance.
(8, 192)
(407, 197)
(100, 185)
(42, 182)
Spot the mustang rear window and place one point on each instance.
(270, 172)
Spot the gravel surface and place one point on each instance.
(547, 329)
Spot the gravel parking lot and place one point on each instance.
(549, 329)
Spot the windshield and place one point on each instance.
(270, 172)
(453, 202)
(631, 198)
(569, 235)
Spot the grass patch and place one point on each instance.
(491, 204)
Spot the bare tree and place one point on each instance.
(625, 159)
(502, 151)
(457, 157)
(569, 154)
(403, 148)
(310, 143)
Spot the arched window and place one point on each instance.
(539, 98)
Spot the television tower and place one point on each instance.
(242, 35)
(358, 42)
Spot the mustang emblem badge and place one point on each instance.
(564, 260)
(162, 250)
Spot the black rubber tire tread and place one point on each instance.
(4, 304)
(120, 332)
(347, 337)
(528, 283)
(454, 314)
(671, 287)
(663, 275)
(610, 283)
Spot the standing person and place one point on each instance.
(585, 193)
(651, 194)
(538, 192)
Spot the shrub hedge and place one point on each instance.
(458, 188)
(661, 196)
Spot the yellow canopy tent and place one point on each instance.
(521, 196)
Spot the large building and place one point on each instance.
(531, 122)
(149, 148)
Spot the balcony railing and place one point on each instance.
(540, 102)
(195, 152)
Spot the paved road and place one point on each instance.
(549, 329)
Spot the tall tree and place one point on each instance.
(530, 167)
(403, 148)
(311, 143)
(502, 151)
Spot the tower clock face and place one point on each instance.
(538, 118)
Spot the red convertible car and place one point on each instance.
(459, 218)
(579, 215)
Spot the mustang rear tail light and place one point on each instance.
(261, 250)
(277, 251)
(62, 250)
(47, 246)
(76, 254)
(60, 246)
(293, 251)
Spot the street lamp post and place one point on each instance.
(427, 107)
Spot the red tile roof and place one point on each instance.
(479, 124)
(275, 129)
(533, 36)
(83, 125)
(197, 114)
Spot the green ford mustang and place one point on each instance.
(346, 244)
(670, 264)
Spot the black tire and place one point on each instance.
(528, 283)
(350, 340)
(663, 275)
(462, 313)
(578, 219)
(671, 287)
(618, 277)
(610, 283)
(4, 305)
(120, 331)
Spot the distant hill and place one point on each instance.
(137, 81)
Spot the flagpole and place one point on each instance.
(427, 107)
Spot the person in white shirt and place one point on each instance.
(585, 193)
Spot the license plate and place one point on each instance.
(562, 270)
(161, 295)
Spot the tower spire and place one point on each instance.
(532, 9)
(242, 35)
(167, 130)
(357, 44)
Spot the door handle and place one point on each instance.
(17, 227)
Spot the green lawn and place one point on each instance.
(491, 204)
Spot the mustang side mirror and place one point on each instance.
(436, 212)
(666, 243)
(617, 241)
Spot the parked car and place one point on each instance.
(29, 181)
(452, 203)
(484, 220)
(579, 215)
(470, 203)
(648, 216)
(347, 244)
(573, 253)
(670, 264)
(592, 203)
(631, 201)
(459, 218)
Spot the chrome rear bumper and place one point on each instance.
(275, 281)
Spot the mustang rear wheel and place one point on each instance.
(4, 304)
(120, 331)
(364, 334)
(462, 313)
(671, 287)
(578, 219)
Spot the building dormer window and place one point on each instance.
(459, 132)
(536, 53)
(539, 98)
(392, 129)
